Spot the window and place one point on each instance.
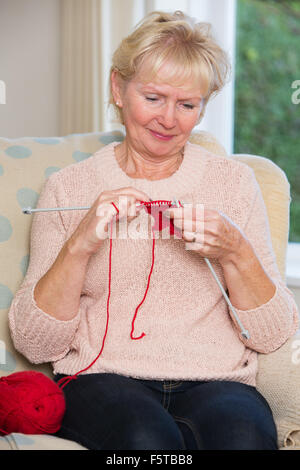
(267, 107)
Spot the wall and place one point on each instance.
(29, 65)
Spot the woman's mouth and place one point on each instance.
(161, 136)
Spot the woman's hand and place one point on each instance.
(93, 228)
(208, 232)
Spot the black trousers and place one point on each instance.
(114, 412)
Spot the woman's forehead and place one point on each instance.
(165, 81)
(186, 90)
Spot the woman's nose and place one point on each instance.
(167, 116)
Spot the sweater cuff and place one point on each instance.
(42, 337)
(272, 323)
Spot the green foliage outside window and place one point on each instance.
(267, 122)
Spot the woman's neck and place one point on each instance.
(137, 166)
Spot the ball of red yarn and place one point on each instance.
(30, 403)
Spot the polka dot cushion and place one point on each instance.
(25, 164)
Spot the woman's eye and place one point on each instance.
(188, 106)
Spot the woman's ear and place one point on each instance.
(116, 87)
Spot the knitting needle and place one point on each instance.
(244, 332)
(29, 210)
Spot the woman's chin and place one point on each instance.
(161, 147)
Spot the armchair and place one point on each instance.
(24, 165)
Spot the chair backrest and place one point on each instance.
(25, 163)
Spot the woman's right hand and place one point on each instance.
(93, 228)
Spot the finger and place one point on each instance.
(139, 195)
(133, 210)
(106, 210)
(120, 205)
(174, 213)
(194, 237)
(189, 236)
(187, 223)
(186, 212)
(194, 246)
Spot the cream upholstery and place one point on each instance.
(25, 163)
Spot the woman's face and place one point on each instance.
(158, 116)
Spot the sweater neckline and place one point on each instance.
(177, 177)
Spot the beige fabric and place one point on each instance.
(24, 165)
(18, 441)
(208, 141)
(278, 380)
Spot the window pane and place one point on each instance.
(267, 108)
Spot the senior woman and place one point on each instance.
(174, 371)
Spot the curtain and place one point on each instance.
(80, 97)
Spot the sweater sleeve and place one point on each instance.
(37, 335)
(272, 323)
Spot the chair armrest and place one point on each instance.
(278, 380)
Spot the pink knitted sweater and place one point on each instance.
(189, 330)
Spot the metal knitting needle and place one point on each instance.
(29, 210)
(244, 332)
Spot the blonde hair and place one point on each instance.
(178, 39)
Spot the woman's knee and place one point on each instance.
(138, 421)
(231, 415)
(158, 433)
(239, 419)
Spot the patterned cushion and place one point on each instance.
(25, 164)
(18, 441)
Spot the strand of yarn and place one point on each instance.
(65, 380)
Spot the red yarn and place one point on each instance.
(158, 225)
(30, 403)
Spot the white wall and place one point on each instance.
(29, 66)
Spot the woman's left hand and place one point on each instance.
(208, 232)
